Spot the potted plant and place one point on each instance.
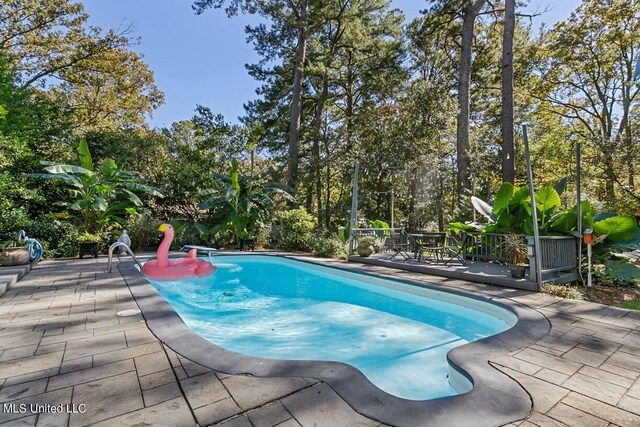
(516, 253)
(366, 246)
(14, 252)
(88, 244)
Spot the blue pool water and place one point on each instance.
(396, 334)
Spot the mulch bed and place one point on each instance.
(609, 295)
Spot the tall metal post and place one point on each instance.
(392, 207)
(579, 207)
(473, 193)
(354, 208)
(534, 213)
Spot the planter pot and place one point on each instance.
(14, 256)
(88, 248)
(247, 244)
(518, 271)
(365, 251)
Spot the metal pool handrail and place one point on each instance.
(120, 244)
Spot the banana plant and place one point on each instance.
(98, 196)
(241, 201)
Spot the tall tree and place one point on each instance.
(300, 10)
(54, 49)
(586, 75)
(508, 146)
(354, 53)
(289, 26)
(47, 37)
(470, 11)
(459, 17)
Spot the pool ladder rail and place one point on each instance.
(129, 251)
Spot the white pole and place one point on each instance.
(589, 265)
(534, 213)
(354, 208)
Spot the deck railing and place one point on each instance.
(386, 237)
(559, 253)
(488, 247)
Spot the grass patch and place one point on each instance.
(630, 305)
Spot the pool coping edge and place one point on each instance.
(495, 399)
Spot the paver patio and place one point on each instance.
(62, 343)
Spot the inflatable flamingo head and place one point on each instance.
(162, 231)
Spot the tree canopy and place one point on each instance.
(429, 107)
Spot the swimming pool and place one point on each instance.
(397, 335)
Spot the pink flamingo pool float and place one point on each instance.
(162, 268)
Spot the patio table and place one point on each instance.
(428, 246)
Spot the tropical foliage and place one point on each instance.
(512, 213)
(241, 202)
(98, 197)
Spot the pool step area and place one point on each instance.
(491, 274)
(9, 276)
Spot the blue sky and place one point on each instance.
(200, 59)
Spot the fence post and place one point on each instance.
(531, 251)
(465, 244)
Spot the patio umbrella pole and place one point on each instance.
(354, 208)
(534, 213)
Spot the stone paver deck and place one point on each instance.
(61, 343)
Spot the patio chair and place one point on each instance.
(455, 251)
(399, 244)
(430, 246)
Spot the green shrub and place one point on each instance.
(187, 234)
(142, 231)
(12, 221)
(90, 237)
(563, 291)
(261, 233)
(297, 227)
(328, 247)
(58, 238)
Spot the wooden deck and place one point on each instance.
(481, 272)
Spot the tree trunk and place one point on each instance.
(316, 167)
(327, 215)
(440, 202)
(631, 157)
(508, 146)
(413, 195)
(610, 179)
(470, 13)
(296, 99)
